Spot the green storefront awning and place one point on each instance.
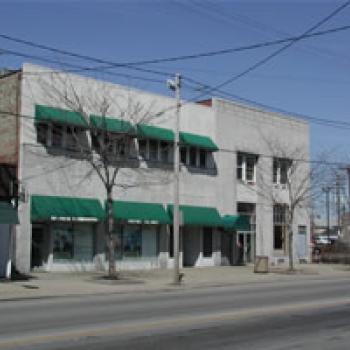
(44, 208)
(198, 216)
(140, 212)
(8, 214)
(51, 114)
(236, 222)
(155, 132)
(111, 124)
(198, 141)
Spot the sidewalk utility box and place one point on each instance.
(261, 264)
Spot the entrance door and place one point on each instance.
(191, 246)
(37, 246)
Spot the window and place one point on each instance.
(132, 241)
(171, 242)
(207, 242)
(42, 133)
(73, 135)
(202, 158)
(57, 135)
(246, 165)
(164, 151)
(153, 150)
(239, 167)
(183, 155)
(72, 242)
(135, 241)
(279, 226)
(281, 168)
(143, 148)
(193, 156)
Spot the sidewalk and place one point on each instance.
(68, 284)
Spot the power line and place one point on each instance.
(278, 51)
(133, 65)
(267, 108)
(76, 68)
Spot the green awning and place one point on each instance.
(142, 212)
(111, 124)
(154, 132)
(198, 216)
(198, 141)
(236, 222)
(50, 114)
(44, 208)
(8, 214)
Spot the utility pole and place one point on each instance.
(327, 190)
(337, 187)
(175, 85)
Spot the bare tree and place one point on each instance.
(107, 152)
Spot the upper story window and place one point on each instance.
(111, 144)
(155, 150)
(281, 168)
(246, 167)
(60, 135)
(196, 157)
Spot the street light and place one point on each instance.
(175, 85)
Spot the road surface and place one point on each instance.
(313, 314)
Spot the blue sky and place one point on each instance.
(311, 77)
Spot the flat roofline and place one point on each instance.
(286, 116)
(126, 87)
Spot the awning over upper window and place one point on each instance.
(45, 208)
(8, 215)
(198, 216)
(236, 222)
(59, 115)
(198, 141)
(111, 124)
(155, 132)
(140, 212)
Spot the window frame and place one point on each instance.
(242, 166)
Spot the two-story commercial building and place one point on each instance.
(232, 158)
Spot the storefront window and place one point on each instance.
(72, 242)
(62, 243)
(135, 241)
(132, 241)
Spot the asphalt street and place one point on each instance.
(313, 314)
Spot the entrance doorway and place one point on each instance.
(244, 244)
(37, 246)
(226, 248)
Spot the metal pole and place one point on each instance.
(328, 211)
(176, 216)
(338, 202)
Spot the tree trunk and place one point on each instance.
(290, 239)
(109, 234)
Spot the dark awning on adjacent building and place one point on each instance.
(8, 214)
(59, 115)
(45, 208)
(140, 212)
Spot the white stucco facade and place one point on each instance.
(233, 127)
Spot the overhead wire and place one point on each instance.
(276, 52)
